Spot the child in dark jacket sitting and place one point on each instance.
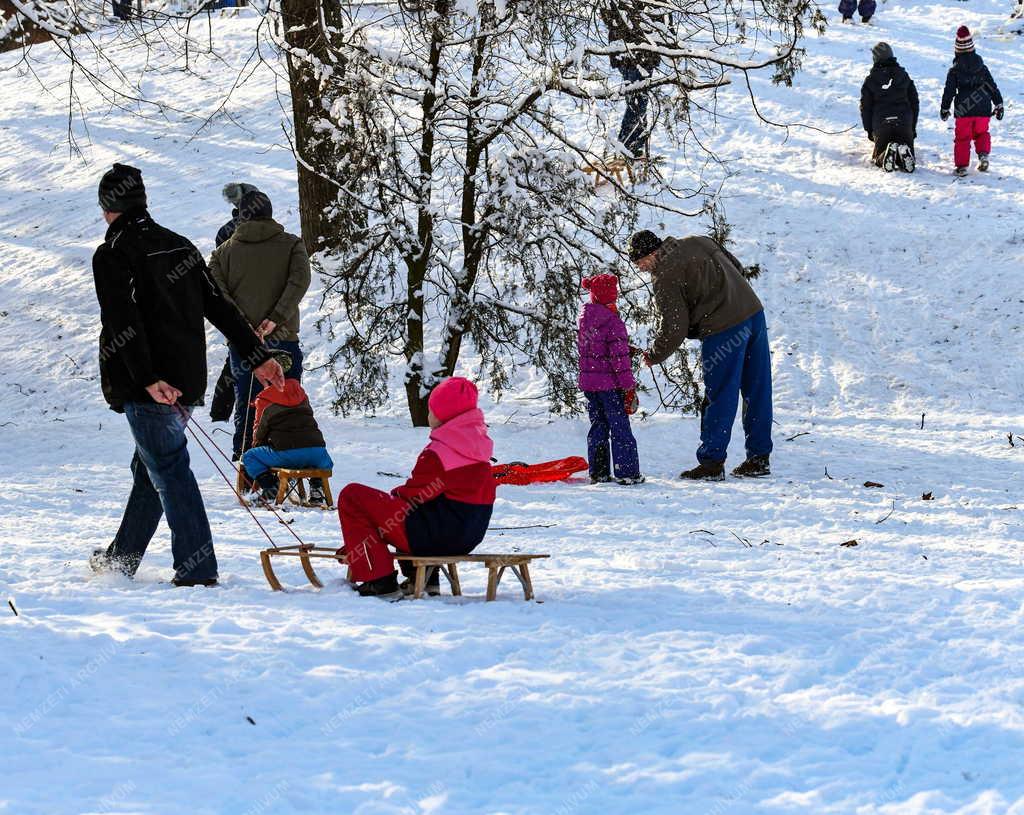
(443, 509)
(285, 434)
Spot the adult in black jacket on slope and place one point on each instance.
(154, 293)
(888, 110)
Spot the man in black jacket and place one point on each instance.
(154, 292)
(888, 110)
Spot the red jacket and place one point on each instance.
(284, 419)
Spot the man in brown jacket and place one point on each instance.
(265, 271)
(701, 293)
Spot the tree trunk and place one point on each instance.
(301, 22)
(419, 263)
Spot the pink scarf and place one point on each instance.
(462, 440)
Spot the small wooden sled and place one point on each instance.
(284, 494)
(604, 170)
(496, 564)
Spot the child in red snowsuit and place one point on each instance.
(443, 509)
(973, 94)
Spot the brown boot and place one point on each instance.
(705, 471)
(753, 467)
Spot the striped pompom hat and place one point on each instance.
(964, 40)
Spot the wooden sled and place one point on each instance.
(496, 564)
(603, 170)
(638, 170)
(300, 476)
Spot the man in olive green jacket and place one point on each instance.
(265, 271)
(701, 293)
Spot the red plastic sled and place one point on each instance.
(521, 473)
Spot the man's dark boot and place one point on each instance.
(753, 467)
(188, 582)
(705, 471)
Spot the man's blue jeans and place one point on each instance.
(736, 361)
(164, 485)
(633, 130)
(247, 388)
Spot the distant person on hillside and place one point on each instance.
(973, 94)
(606, 379)
(701, 293)
(233, 193)
(865, 7)
(889, 108)
(154, 293)
(223, 402)
(265, 271)
(629, 22)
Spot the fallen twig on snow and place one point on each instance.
(744, 541)
(889, 515)
(873, 485)
(528, 526)
(830, 478)
(927, 497)
(11, 604)
(798, 435)
(849, 544)
(388, 475)
(922, 421)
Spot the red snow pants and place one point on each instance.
(370, 520)
(968, 129)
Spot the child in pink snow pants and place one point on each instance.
(974, 97)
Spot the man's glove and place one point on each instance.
(871, 136)
(943, 114)
(999, 112)
(630, 401)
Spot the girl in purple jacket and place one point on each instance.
(606, 379)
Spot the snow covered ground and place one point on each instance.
(698, 649)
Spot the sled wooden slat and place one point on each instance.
(496, 562)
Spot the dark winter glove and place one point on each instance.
(630, 401)
(999, 112)
(943, 114)
(871, 136)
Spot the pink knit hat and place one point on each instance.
(452, 397)
(603, 288)
(964, 41)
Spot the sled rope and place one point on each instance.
(191, 427)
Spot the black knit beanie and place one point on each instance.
(254, 205)
(121, 189)
(642, 244)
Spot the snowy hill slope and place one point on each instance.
(699, 649)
